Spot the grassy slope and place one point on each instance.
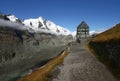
(112, 34)
(43, 73)
(98, 46)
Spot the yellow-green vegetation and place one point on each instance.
(43, 73)
(110, 35)
(106, 47)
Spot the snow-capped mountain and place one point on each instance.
(35, 23)
(56, 28)
(41, 25)
(12, 18)
(63, 31)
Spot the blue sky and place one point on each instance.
(98, 14)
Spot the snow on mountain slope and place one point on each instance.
(35, 23)
(39, 24)
(51, 26)
(12, 18)
(63, 31)
(56, 28)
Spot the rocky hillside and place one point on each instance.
(16, 36)
(23, 47)
(106, 46)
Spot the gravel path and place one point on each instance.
(81, 65)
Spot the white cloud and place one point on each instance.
(5, 23)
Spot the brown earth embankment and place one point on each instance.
(42, 73)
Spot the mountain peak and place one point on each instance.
(12, 17)
(40, 25)
(40, 17)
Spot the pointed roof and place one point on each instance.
(83, 24)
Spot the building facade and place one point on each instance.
(82, 30)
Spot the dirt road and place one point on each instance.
(81, 65)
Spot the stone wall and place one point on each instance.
(107, 52)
